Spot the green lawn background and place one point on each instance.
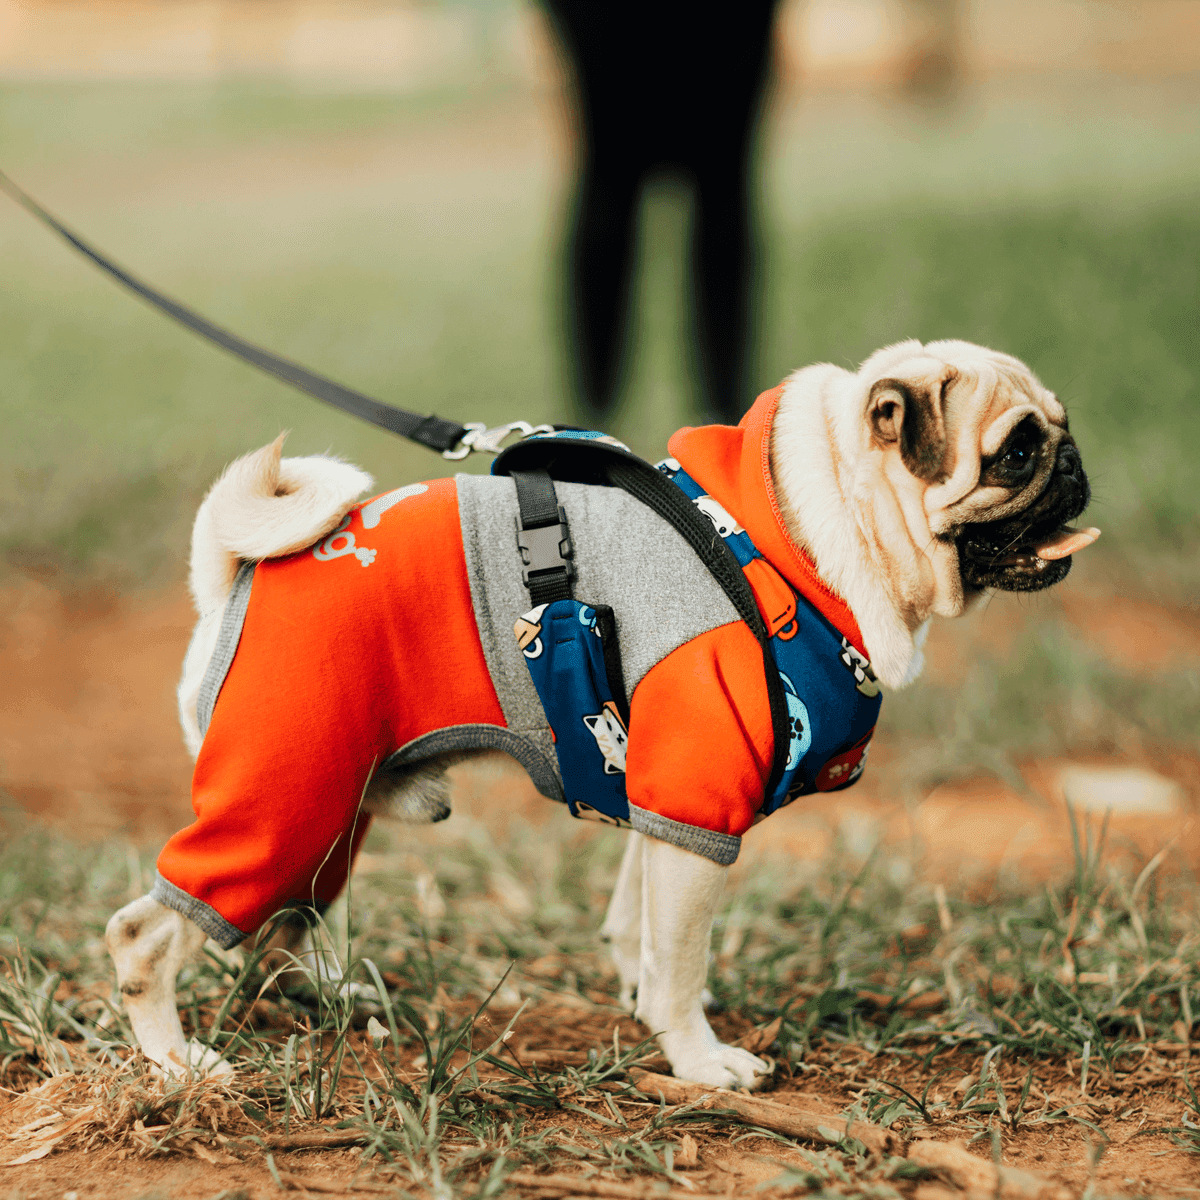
(408, 246)
(376, 238)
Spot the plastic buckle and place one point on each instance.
(489, 441)
(546, 548)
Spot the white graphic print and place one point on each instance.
(609, 731)
(526, 631)
(373, 511)
(864, 676)
(340, 543)
(722, 521)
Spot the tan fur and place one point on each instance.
(872, 528)
(876, 529)
(264, 506)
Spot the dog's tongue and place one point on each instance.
(1065, 542)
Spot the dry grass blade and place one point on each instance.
(124, 1107)
(767, 1114)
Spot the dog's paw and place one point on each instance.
(199, 1060)
(721, 1066)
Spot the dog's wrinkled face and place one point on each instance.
(978, 451)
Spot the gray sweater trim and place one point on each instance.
(204, 915)
(721, 848)
(482, 737)
(227, 643)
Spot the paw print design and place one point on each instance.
(799, 725)
(609, 731)
(724, 523)
(340, 543)
(864, 676)
(844, 768)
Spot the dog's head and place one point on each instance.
(949, 471)
(986, 449)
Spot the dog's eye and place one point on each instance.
(1014, 463)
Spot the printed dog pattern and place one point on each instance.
(723, 522)
(611, 736)
(585, 812)
(864, 676)
(527, 631)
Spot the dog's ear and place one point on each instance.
(911, 412)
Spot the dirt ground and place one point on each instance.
(731, 1160)
(89, 743)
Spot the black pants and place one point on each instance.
(676, 89)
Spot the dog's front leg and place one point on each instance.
(680, 891)
(149, 943)
(622, 928)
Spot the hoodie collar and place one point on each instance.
(732, 464)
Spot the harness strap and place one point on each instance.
(597, 462)
(543, 538)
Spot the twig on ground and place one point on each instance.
(336, 1189)
(321, 1139)
(769, 1114)
(982, 1180)
(577, 1185)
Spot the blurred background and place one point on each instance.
(381, 190)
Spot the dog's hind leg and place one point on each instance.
(680, 891)
(301, 957)
(149, 943)
(622, 928)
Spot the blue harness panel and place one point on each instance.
(833, 698)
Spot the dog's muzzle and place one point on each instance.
(1004, 554)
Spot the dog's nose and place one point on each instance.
(1069, 464)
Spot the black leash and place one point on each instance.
(543, 536)
(452, 439)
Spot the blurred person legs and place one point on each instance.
(663, 92)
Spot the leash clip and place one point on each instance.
(479, 438)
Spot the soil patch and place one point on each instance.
(1061, 1120)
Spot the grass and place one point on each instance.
(327, 228)
(1002, 1016)
(428, 277)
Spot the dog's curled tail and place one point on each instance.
(265, 506)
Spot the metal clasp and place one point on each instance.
(479, 438)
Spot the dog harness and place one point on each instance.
(573, 655)
(431, 621)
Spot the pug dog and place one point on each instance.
(881, 498)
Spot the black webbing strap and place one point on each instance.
(543, 538)
(429, 431)
(604, 464)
